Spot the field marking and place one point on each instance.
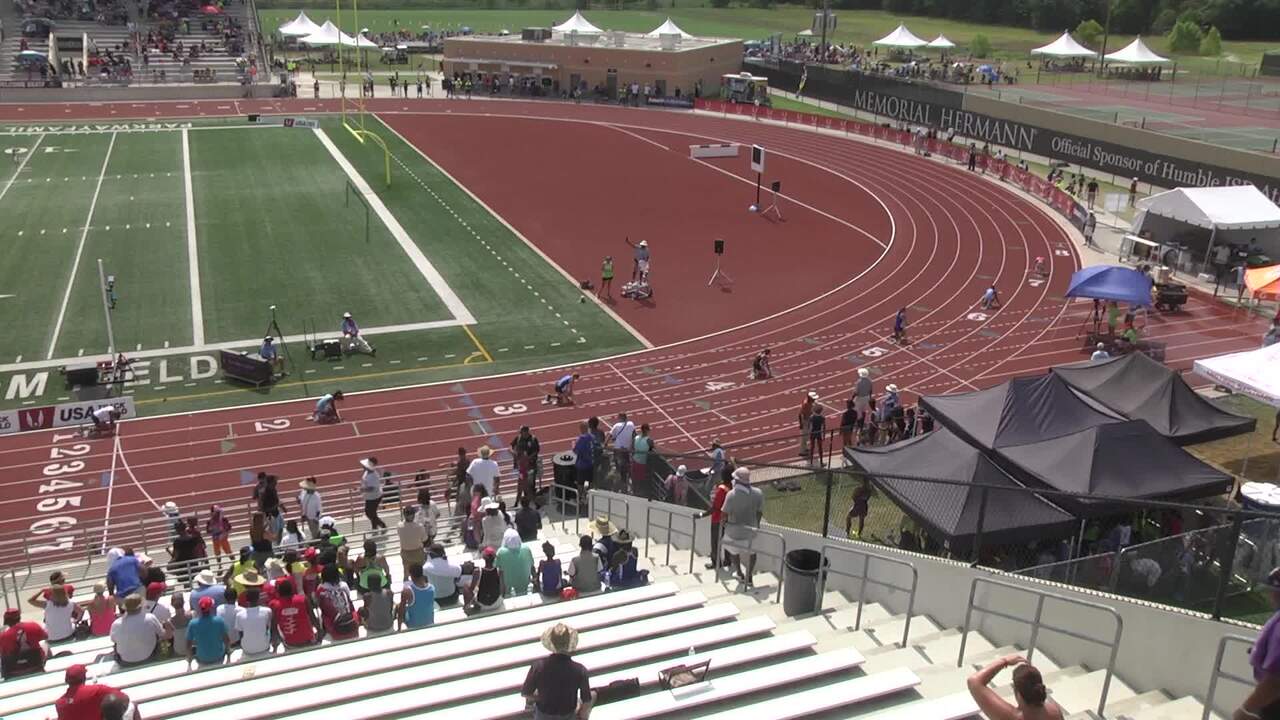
(193, 256)
(230, 345)
(21, 165)
(655, 405)
(478, 344)
(75, 263)
(420, 261)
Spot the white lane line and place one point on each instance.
(193, 256)
(111, 488)
(655, 405)
(21, 165)
(75, 263)
(420, 261)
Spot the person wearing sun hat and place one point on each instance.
(492, 525)
(602, 532)
(484, 471)
(741, 515)
(371, 491)
(310, 506)
(557, 687)
(82, 699)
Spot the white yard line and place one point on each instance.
(420, 261)
(656, 406)
(231, 345)
(193, 254)
(21, 165)
(75, 263)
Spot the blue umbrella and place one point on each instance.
(1111, 282)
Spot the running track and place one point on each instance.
(953, 233)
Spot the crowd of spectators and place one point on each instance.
(106, 12)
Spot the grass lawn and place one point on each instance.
(274, 225)
(1230, 453)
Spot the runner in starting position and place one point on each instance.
(327, 408)
(104, 420)
(760, 366)
(563, 390)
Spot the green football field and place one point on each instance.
(205, 225)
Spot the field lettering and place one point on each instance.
(22, 387)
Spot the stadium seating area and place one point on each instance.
(847, 661)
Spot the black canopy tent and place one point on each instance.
(1126, 459)
(1016, 412)
(1140, 388)
(949, 511)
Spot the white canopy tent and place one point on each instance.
(1253, 373)
(668, 28)
(941, 42)
(901, 38)
(1064, 47)
(360, 41)
(1136, 53)
(300, 26)
(326, 35)
(578, 24)
(1219, 209)
(805, 33)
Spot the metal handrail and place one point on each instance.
(562, 496)
(609, 503)
(1218, 672)
(825, 567)
(672, 511)
(1037, 623)
(781, 556)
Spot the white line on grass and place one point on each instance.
(25, 157)
(75, 263)
(193, 257)
(420, 261)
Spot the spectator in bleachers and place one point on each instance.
(417, 606)
(310, 506)
(550, 575)
(151, 602)
(584, 568)
(370, 565)
(136, 634)
(723, 485)
(243, 563)
(471, 528)
(102, 610)
(292, 538)
(624, 571)
(207, 586)
(444, 576)
(253, 625)
(557, 688)
(743, 511)
(337, 613)
(179, 620)
(218, 528)
(603, 530)
(379, 605)
(226, 611)
(427, 515)
(528, 520)
(23, 646)
(61, 613)
(461, 484)
(116, 706)
(124, 576)
(207, 639)
(295, 620)
(83, 700)
(484, 471)
(515, 560)
(492, 526)
(488, 583)
(677, 485)
(413, 539)
(1028, 691)
(371, 492)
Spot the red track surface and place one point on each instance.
(953, 233)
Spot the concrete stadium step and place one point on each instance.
(1184, 708)
(1081, 693)
(1138, 703)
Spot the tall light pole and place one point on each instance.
(826, 18)
(1106, 33)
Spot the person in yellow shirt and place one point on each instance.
(606, 278)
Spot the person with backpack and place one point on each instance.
(23, 646)
(337, 613)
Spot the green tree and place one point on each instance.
(1185, 37)
(1211, 43)
(1088, 32)
(980, 46)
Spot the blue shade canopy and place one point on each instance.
(1111, 282)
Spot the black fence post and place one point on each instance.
(1226, 565)
(826, 476)
(977, 535)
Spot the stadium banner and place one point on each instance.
(8, 422)
(65, 414)
(675, 102)
(918, 103)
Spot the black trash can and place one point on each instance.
(564, 475)
(800, 586)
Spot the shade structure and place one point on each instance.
(1123, 459)
(359, 41)
(1139, 388)
(901, 37)
(1136, 53)
(1111, 282)
(941, 42)
(327, 34)
(1016, 412)
(578, 24)
(1064, 47)
(668, 28)
(1263, 281)
(1232, 207)
(1251, 373)
(805, 33)
(300, 26)
(949, 511)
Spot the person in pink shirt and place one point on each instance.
(678, 485)
(102, 610)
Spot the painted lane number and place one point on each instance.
(512, 409)
(269, 425)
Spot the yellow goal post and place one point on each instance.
(355, 112)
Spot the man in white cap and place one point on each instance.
(354, 341)
(640, 258)
(557, 688)
(806, 412)
(740, 517)
(1100, 353)
(678, 485)
(862, 392)
(269, 353)
(484, 471)
(371, 491)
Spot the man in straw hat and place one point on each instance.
(484, 471)
(557, 688)
(602, 532)
(741, 515)
(310, 506)
(371, 491)
(136, 634)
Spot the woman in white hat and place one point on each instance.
(371, 491)
(678, 485)
(492, 526)
(557, 688)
